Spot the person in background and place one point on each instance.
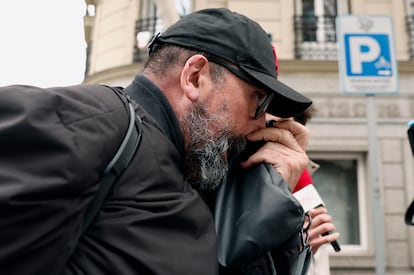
(321, 220)
(203, 91)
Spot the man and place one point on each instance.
(203, 91)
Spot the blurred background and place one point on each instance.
(42, 42)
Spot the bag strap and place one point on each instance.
(116, 166)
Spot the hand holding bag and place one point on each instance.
(255, 213)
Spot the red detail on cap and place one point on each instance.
(276, 59)
(305, 180)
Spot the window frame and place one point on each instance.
(409, 7)
(362, 197)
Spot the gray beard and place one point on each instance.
(206, 163)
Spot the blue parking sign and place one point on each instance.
(368, 55)
(367, 62)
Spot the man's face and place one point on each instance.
(206, 162)
(215, 125)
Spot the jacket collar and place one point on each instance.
(150, 97)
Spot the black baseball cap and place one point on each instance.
(234, 38)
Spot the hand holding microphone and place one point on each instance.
(309, 198)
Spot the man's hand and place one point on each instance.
(285, 149)
(321, 223)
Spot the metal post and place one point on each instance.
(379, 240)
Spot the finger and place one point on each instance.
(321, 219)
(292, 126)
(315, 243)
(320, 229)
(278, 155)
(316, 211)
(288, 163)
(321, 240)
(299, 131)
(276, 135)
(273, 152)
(334, 236)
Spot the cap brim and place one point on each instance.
(287, 102)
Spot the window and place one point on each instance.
(340, 181)
(90, 10)
(149, 22)
(315, 34)
(145, 27)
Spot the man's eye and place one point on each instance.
(260, 97)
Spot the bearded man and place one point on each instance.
(202, 94)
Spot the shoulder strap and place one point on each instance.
(116, 166)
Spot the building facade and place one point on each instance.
(304, 34)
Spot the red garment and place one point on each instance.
(305, 179)
(276, 59)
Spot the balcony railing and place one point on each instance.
(315, 37)
(145, 28)
(410, 32)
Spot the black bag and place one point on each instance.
(255, 214)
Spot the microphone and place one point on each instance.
(410, 133)
(309, 198)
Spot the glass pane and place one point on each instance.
(308, 7)
(329, 12)
(309, 20)
(329, 7)
(410, 4)
(336, 182)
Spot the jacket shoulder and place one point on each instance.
(54, 144)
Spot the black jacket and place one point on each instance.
(54, 145)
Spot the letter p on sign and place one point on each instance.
(363, 49)
(368, 55)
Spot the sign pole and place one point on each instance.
(368, 65)
(375, 187)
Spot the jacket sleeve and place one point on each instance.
(54, 144)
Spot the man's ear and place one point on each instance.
(193, 74)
